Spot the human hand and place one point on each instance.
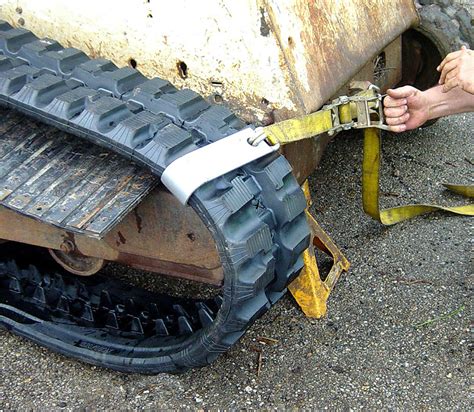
(457, 70)
(405, 108)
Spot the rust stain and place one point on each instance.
(328, 42)
(138, 220)
(121, 238)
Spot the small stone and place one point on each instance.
(248, 389)
(449, 375)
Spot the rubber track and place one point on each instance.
(256, 213)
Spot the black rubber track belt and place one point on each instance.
(255, 213)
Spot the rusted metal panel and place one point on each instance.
(267, 59)
(326, 42)
(384, 70)
(159, 235)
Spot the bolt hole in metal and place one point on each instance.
(21, 20)
(182, 69)
(217, 97)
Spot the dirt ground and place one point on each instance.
(397, 332)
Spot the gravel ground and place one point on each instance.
(370, 352)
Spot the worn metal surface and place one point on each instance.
(53, 177)
(76, 263)
(267, 59)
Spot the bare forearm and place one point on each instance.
(444, 104)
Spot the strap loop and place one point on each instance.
(370, 189)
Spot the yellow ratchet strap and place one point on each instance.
(361, 111)
(344, 113)
(299, 128)
(370, 188)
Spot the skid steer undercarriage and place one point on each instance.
(68, 208)
(255, 215)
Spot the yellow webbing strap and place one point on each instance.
(299, 128)
(370, 188)
(314, 124)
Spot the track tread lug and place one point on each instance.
(105, 300)
(71, 103)
(136, 325)
(82, 291)
(138, 130)
(33, 274)
(153, 310)
(4, 26)
(184, 325)
(13, 80)
(102, 115)
(111, 320)
(63, 305)
(205, 317)
(12, 40)
(277, 171)
(59, 282)
(39, 295)
(87, 313)
(168, 144)
(41, 91)
(238, 196)
(160, 328)
(14, 285)
(34, 51)
(181, 311)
